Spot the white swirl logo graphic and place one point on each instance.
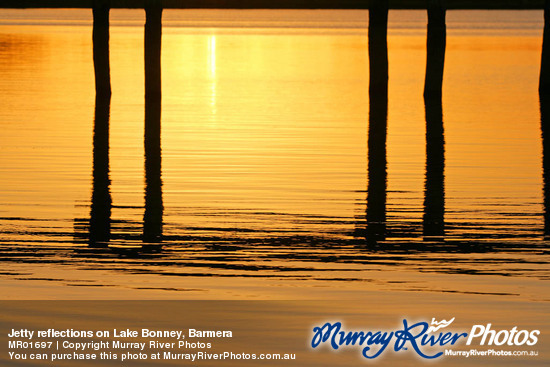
(439, 325)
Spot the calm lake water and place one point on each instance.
(265, 165)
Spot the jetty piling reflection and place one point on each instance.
(545, 135)
(377, 168)
(152, 219)
(100, 213)
(434, 188)
(99, 229)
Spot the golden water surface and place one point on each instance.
(263, 190)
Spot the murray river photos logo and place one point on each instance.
(427, 340)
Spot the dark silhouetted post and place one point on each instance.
(152, 220)
(378, 47)
(545, 133)
(434, 189)
(153, 36)
(544, 82)
(377, 166)
(100, 213)
(100, 40)
(378, 113)
(435, 49)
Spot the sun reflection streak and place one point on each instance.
(212, 70)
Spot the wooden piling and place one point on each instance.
(100, 40)
(378, 47)
(152, 219)
(434, 187)
(153, 36)
(544, 81)
(435, 49)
